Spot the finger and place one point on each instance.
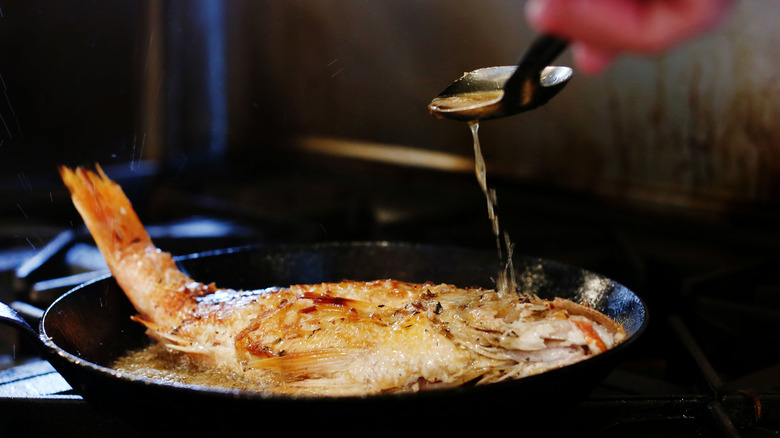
(591, 60)
(643, 26)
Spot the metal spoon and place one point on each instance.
(493, 92)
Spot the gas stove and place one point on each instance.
(708, 365)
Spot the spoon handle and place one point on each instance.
(542, 52)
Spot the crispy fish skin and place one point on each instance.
(335, 339)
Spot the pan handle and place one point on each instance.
(10, 317)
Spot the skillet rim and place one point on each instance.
(211, 391)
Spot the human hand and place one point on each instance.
(600, 30)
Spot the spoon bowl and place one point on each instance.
(480, 94)
(492, 92)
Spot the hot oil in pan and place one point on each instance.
(157, 362)
(506, 278)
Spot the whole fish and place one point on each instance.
(335, 339)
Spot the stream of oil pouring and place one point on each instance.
(506, 278)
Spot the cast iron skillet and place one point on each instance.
(85, 330)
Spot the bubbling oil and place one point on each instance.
(158, 363)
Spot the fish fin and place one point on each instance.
(310, 363)
(166, 337)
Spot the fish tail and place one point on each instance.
(106, 211)
(149, 277)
